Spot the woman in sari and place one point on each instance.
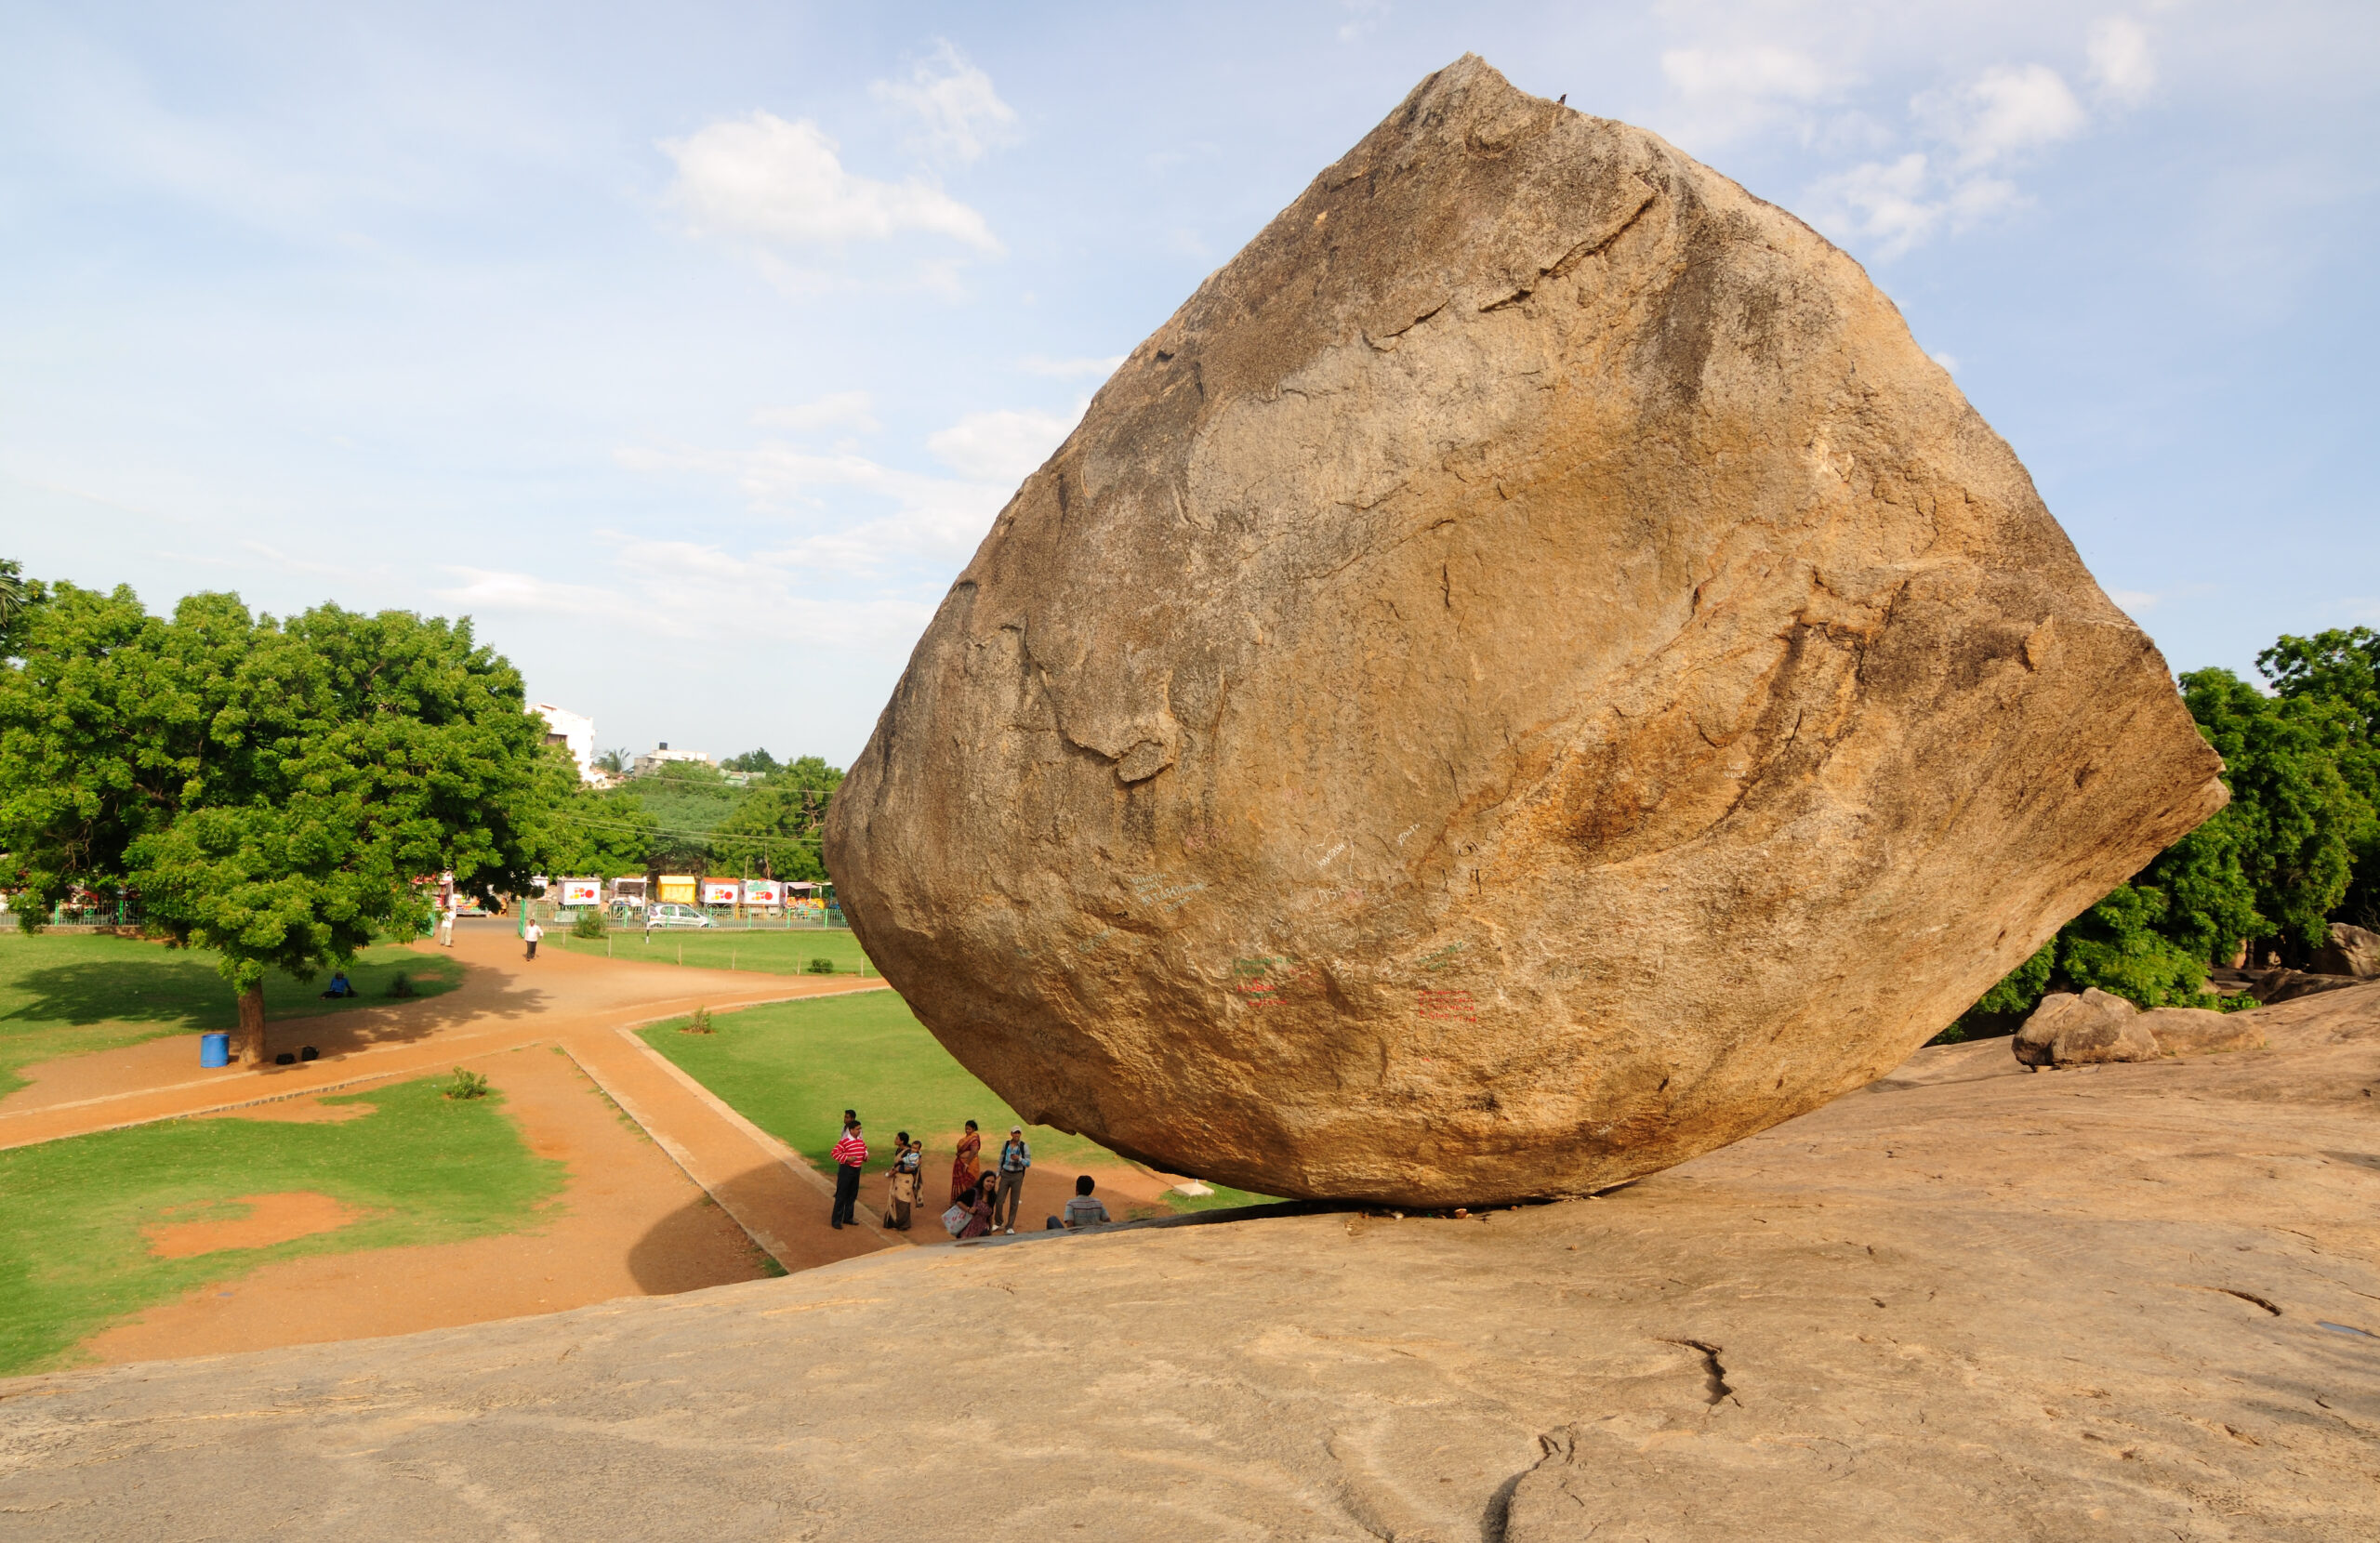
(903, 1193)
(978, 1201)
(962, 1167)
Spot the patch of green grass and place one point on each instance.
(1224, 1196)
(773, 953)
(421, 1168)
(792, 1068)
(67, 993)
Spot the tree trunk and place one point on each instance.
(252, 1025)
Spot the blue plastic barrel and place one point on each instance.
(215, 1050)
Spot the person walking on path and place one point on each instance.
(962, 1167)
(533, 933)
(446, 925)
(903, 1190)
(1015, 1159)
(850, 1155)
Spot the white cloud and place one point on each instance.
(1730, 93)
(1004, 446)
(1950, 362)
(2121, 64)
(764, 179)
(2004, 113)
(2135, 603)
(851, 410)
(492, 590)
(963, 115)
(1065, 369)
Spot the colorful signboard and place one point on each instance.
(720, 892)
(582, 891)
(679, 888)
(768, 893)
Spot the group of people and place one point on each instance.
(983, 1201)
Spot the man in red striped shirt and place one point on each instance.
(850, 1155)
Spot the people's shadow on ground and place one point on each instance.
(687, 1250)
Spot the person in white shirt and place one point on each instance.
(533, 933)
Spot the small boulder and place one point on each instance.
(2197, 1030)
(2351, 951)
(2082, 1030)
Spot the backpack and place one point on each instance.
(955, 1219)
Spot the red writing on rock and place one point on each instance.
(1447, 1004)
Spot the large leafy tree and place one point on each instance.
(2342, 667)
(275, 791)
(775, 831)
(602, 833)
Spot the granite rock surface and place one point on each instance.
(1974, 1302)
(1532, 674)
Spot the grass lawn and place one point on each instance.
(777, 953)
(421, 1168)
(792, 1068)
(64, 993)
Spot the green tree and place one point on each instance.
(17, 596)
(276, 792)
(2297, 820)
(602, 834)
(2341, 667)
(751, 761)
(775, 831)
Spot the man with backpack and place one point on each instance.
(1016, 1158)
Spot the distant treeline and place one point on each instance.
(686, 817)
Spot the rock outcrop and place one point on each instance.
(1963, 1305)
(2197, 1031)
(1530, 675)
(2351, 951)
(2088, 1028)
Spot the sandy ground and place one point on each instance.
(629, 1223)
(270, 1219)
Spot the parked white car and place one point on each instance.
(672, 914)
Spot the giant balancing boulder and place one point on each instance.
(1530, 676)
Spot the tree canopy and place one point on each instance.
(274, 791)
(775, 830)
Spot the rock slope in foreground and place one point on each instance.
(1975, 1303)
(1530, 676)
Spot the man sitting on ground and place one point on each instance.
(339, 986)
(1082, 1210)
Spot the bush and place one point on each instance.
(822, 967)
(466, 1084)
(401, 986)
(699, 1023)
(589, 924)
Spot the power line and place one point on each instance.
(689, 831)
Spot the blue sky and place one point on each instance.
(691, 349)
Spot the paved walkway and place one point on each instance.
(583, 1003)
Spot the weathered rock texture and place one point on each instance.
(2351, 951)
(1530, 675)
(2091, 1306)
(2197, 1030)
(2083, 1029)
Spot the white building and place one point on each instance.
(661, 754)
(573, 732)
